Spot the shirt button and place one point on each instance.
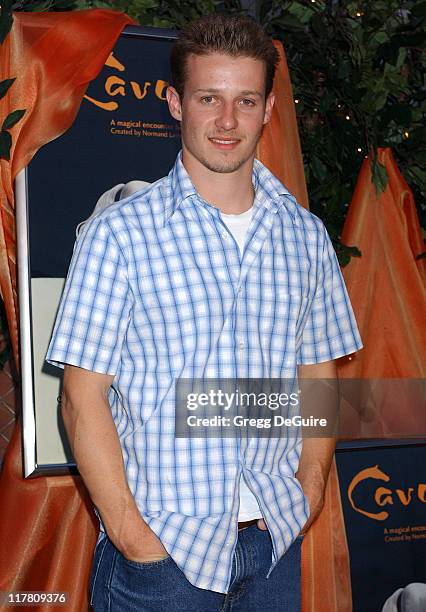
(241, 345)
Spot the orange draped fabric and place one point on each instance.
(48, 532)
(279, 148)
(54, 57)
(47, 526)
(326, 583)
(387, 286)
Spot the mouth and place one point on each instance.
(226, 144)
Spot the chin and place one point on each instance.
(224, 165)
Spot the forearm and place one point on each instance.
(97, 451)
(319, 397)
(315, 459)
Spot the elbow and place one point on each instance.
(68, 411)
(66, 402)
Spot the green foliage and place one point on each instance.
(162, 13)
(5, 137)
(12, 119)
(6, 349)
(40, 6)
(380, 177)
(6, 19)
(357, 71)
(4, 86)
(5, 144)
(344, 253)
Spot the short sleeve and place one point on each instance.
(331, 330)
(95, 307)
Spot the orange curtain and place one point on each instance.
(48, 533)
(387, 286)
(279, 148)
(326, 585)
(54, 57)
(47, 524)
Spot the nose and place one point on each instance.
(227, 117)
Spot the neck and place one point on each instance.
(231, 192)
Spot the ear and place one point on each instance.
(173, 100)
(270, 101)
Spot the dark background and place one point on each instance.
(66, 177)
(378, 568)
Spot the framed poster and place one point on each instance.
(383, 492)
(123, 132)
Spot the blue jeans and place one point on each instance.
(119, 585)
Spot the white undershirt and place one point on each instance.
(238, 226)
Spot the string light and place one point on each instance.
(347, 118)
(406, 134)
(359, 14)
(296, 101)
(359, 150)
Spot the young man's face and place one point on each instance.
(222, 111)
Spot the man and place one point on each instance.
(214, 272)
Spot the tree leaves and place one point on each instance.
(419, 9)
(163, 13)
(12, 119)
(380, 176)
(345, 253)
(301, 12)
(5, 144)
(357, 70)
(4, 86)
(319, 169)
(6, 19)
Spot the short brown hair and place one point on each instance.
(235, 35)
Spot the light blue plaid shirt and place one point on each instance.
(157, 290)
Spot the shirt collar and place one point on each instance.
(270, 192)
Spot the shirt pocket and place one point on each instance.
(282, 312)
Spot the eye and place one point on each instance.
(248, 102)
(207, 99)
